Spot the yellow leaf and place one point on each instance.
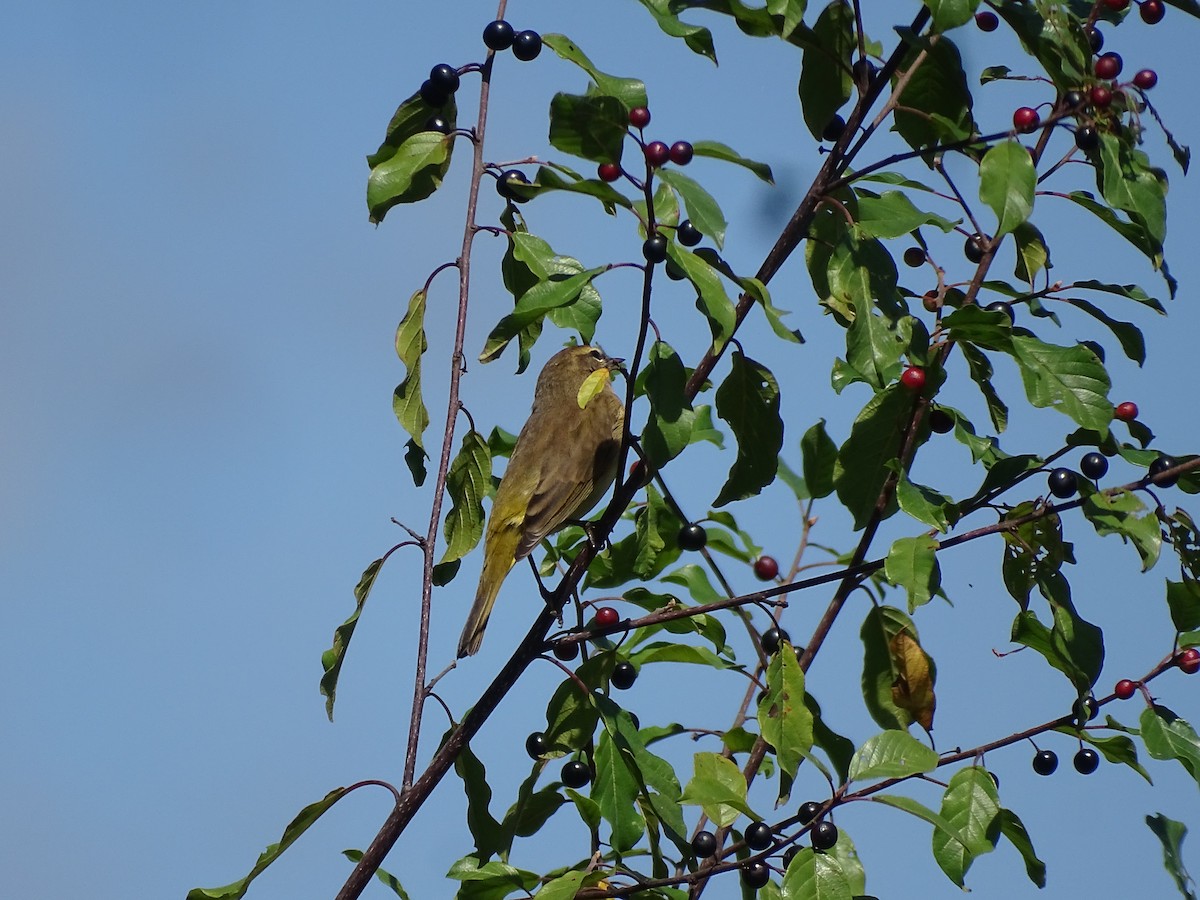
(913, 688)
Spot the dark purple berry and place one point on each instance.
(688, 234)
(498, 35)
(1063, 483)
(526, 45)
(1094, 465)
(1045, 762)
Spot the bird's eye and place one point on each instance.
(596, 354)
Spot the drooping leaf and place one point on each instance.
(411, 344)
(592, 126)
(719, 788)
(701, 208)
(748, 399)
(409, 175)
(1007, 180)
(1171, 834)
(819, 457)
(467, 483)
(825, 80)
(630, 91)
(669, 429)
(783, 717)
(332, 659)
(912, 564)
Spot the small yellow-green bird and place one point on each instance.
(564, 460)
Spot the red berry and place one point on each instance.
(1026, 120)
(606, 616)
(1109, 66)
(609, 172)
(657, 153)
(1189, 660)
(1125, 689)
(1116, 5)
(1152, 11)
(639, 117)
(986, 20)
(1126, 411)
(766, 568)
(913, 378)
(1101, 96)
(681, 153)
(1146, 79)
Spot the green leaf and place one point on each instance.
(332, 659)
(698, 40)
(549, 180)
(913, 807)
(1129, 183)
(1007, 180)
(819, 457)
(1013, 828)
(980, 370)
(783, 718)
(1069, 379)
(925, 504)
(893, 215)
(948, 14)
(719, 788)
(467, 483)
(1032, 253)
(1116, 749)
(695, 579)
(717, 150)
(874, 440)
(874, 345)
(591, 126)
(295, 828)
(815, 876)
(411, 174)
(1171, 834)
(630, 91)
(669, 428)
(1119, 514)
(892, 754)
(971, 806)
(571, 714)
(1183, 599)
(712, 299)
(748, 399)
(484, 828)
(702, 209)
(912, 564)
(825, 80)
(792, 12)
(936, 104)
(410, 345)
(1129, 291)
(1167, 736)
(1130, 336)
(565, 887)
(415, 457)
(615, 791)
(533, 305)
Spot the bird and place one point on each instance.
(565, 458)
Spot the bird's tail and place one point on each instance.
(494, 571)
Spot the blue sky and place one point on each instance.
(200, 457)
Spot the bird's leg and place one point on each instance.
(589, 531)
(547, 594)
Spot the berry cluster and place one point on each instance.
(499, 36)
(760, 836)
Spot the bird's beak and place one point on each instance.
(615, 363)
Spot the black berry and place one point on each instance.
(834, 129)
(1094, 465)
(433, 95)
(1072, 99)
(755, 874)
(444, 78)
(914, 256)
(527, 45)
(1095, 39)
(973, 248)
(1086, 761)
(438, 124)
(623, 676)
(824, 835)
(576, 774)
(1045, 762)
(864, 70)
(758, 835)
(789, 854)
(566, 651)
(688, 234)
(498, 35)
(1063, 483)
(940, 421)
(1161, 465)
(772, 638)
(536, 744)
(1084, 710)
(704, 844)
(986, 20)
(654, 248)
(1003, 307)
(1087, 138)
(692, 537)
(808, 811)
(504, 185)
(674, 272)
